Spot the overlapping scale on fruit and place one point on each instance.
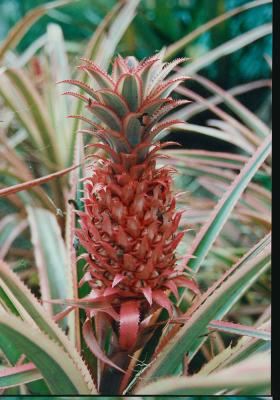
(129, 230)
(130, 103)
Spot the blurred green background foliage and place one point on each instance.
(157, 24)
(160, 23)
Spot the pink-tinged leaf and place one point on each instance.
(78, 95)
(165, 71)
(157, 132)
(110, 291)
(113, 100)
(17, 369)
(147, 63)
(238, 329)
(117, 279)
(59, 316)
(87, 120)
(119, 68)
(93, 345)
(167, 87)
(211, 229)
(98, 303)
(106, 115)
(181, 281)
(112, 153)
(159, 114)
(147, 291)
(86, 278)
(89, 90)
(152, 106)
(173, 287)
(35, 182)
(129, 324)
(100, 76)
(162, 300)
(19, 374)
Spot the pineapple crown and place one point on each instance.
(128, 106)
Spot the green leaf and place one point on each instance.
(37, 109)
(239, 109)
(58, 105)
(209, 232)
(252, 373)
(33, 313)
(50, 256)
(237, 329)
(19, 375)
(184, 41)
(11, 226)
(133, 129)
(226, 48)
(230, 355)
(57, 368)
(114, 101)
(75, 194)
(129, 86)
(106, 115)
(34, 182)
(213, 304)
(19, 30)
(215, 133)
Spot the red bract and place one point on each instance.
(129, 226)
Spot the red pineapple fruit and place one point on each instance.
(129, 224)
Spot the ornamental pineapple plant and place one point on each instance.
(129, 226)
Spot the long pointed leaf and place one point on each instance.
(18, 31)
(180, 44)
(226, 48)
(50, 255)
(252, 373)
(35, 182)
(28, 305)
(56, 367)
(213, 304)
(19, 375)
(209, 232)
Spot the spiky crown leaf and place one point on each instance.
(129, 104)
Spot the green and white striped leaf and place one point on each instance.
(56, 366)
(213, 304)
(114, 101)
(106, 115)
(226, 48)
(19, 375)
(19, 30)
(250, 119)
(237, 329)
(251, 373)
(50, 256)
(35, 315)
(36, 109)
(209, 232)
(244, 348)
(58, 106)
